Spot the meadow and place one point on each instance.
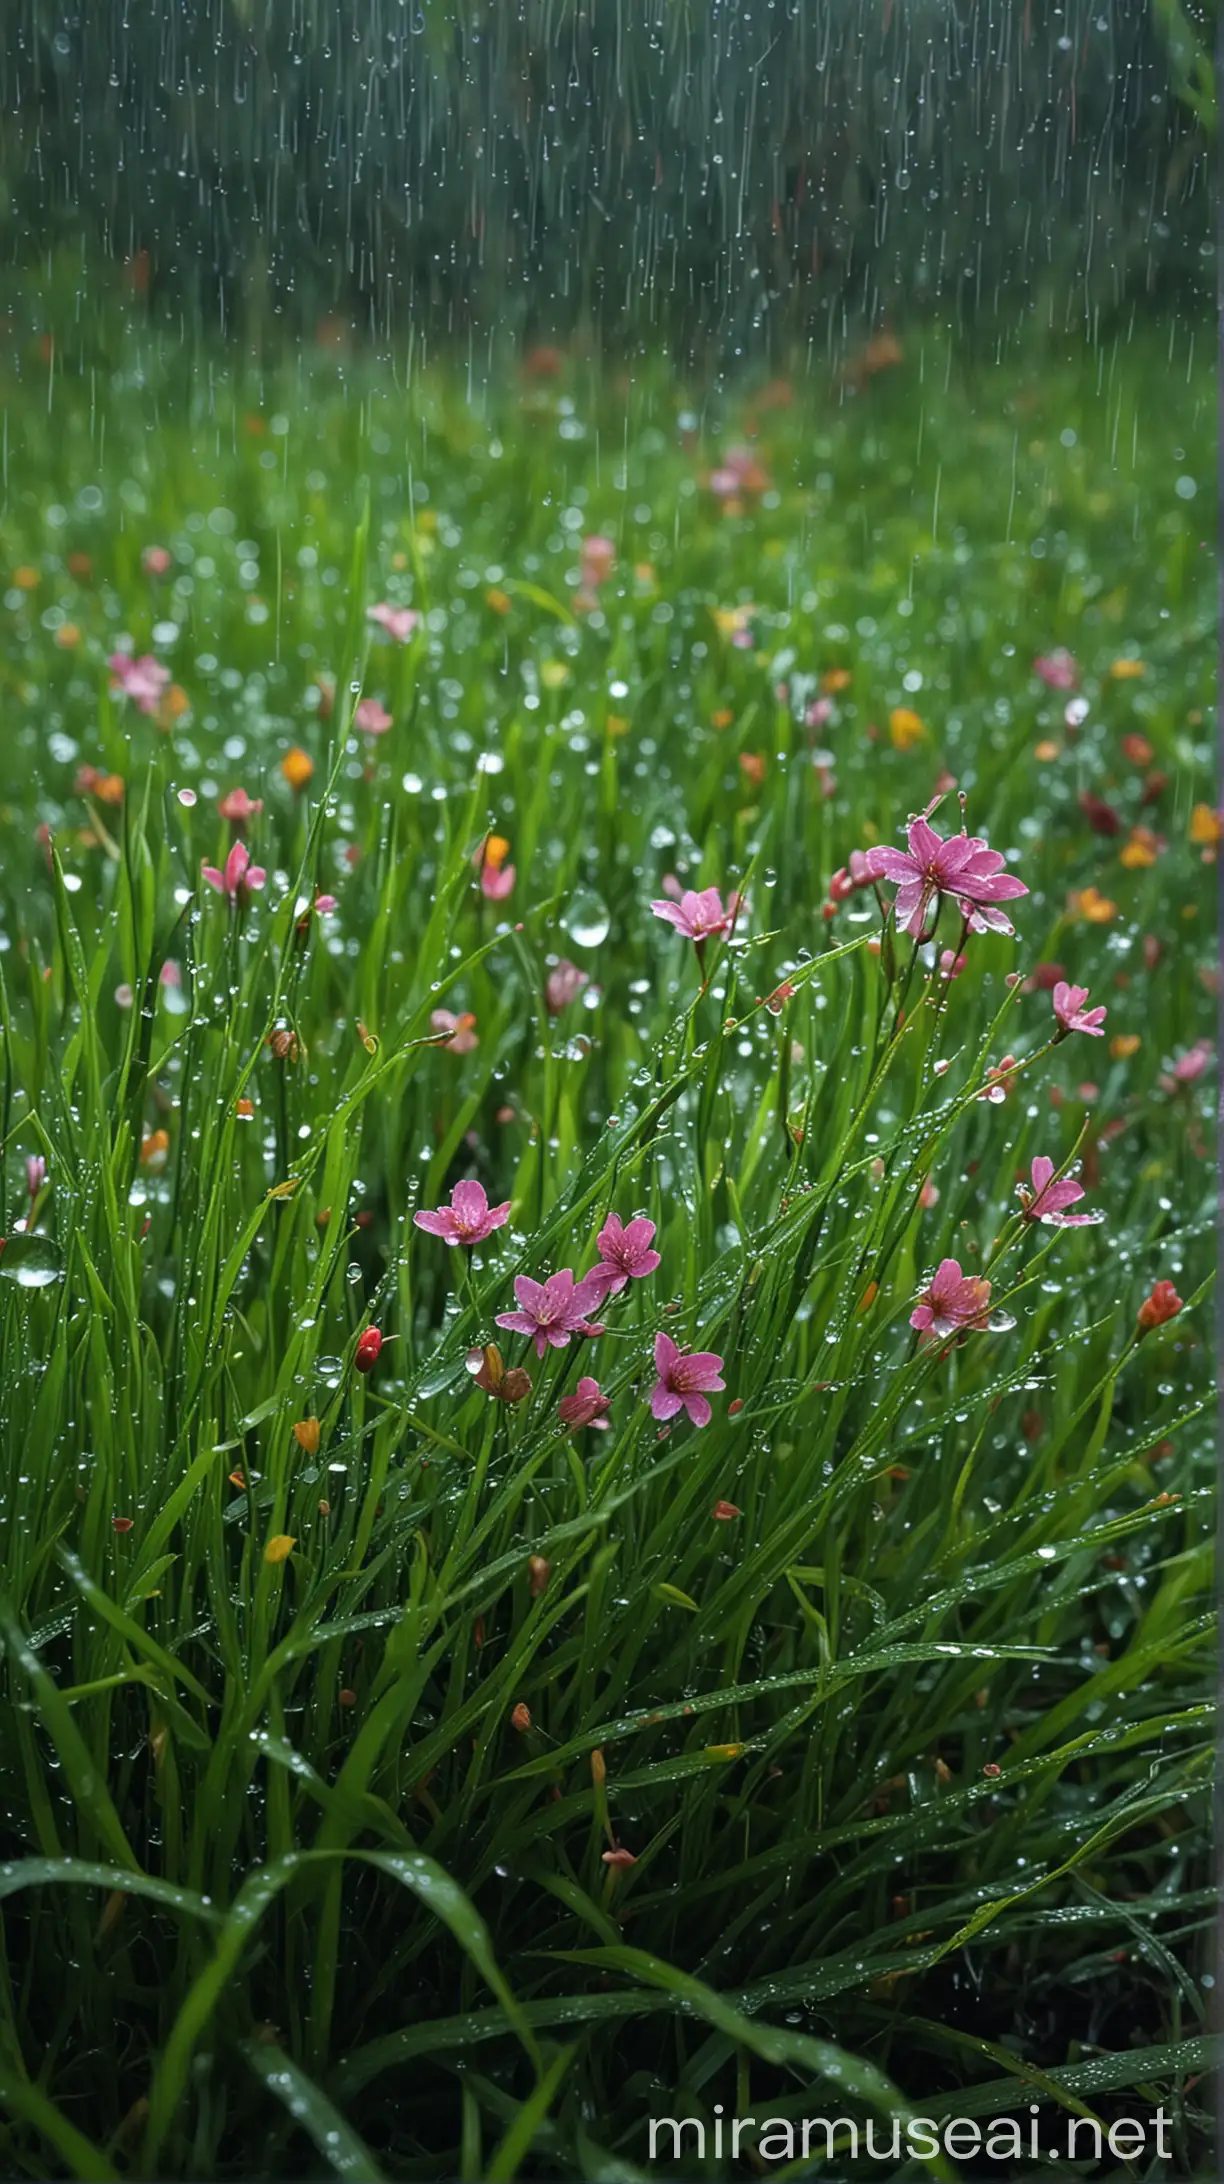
(775, 1669)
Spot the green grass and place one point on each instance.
(913, 1753)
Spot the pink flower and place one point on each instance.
(1072, 1015)
(155, 560)
(468, 1219)
(240, 877)
(551, 1311)
(1047, 1200)
(625, 1254)
(170, 974)
(497, 881)
(462, 1031)
(963, 867)
(685, 1379)
(237, 805)
(586, 1407)
(999, 1082)
(698, 916)
(1189, 1067)
(36, 1174)
(1057, 669)
(372, 718)
(563, 985)
(951, 1302)
(143, 680)
(398, 622)
(598, 559)
(951, 966)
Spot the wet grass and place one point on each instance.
(327, 1691)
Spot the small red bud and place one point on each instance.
(365, 1357)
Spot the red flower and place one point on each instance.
(1163, 1304)
(369, 1343)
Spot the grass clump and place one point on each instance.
(415, 1762)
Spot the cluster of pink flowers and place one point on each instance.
(550, 1313)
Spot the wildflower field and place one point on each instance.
(606, 1366)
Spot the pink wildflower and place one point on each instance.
(963, 866)
(951, 1302)
(1162, 1305)
(1048, 1200)
(237, 805)
(551, 1311)
(155, 560)
(143, 680)
(819, 713)
(598, 560)
(1188, 1067)
(625, 1254)
(1072, 1015)
(468, 1219)
(951, 966)
(586, 1407)
(372, 718)
(497, 881)
(685, 1379)
(398, 622)
(1057, 669)
(698, 916)
(999, 1083)
(460, 1031)
(36, 1174)
(240, 877)
(563, 985)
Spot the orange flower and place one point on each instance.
(752, 766)
(498, 600)
(1206, 826)
(1048, 750)
(905, 727)
(1090, 904)
(835, 679)
(1138, 750)
(154, 1149)
(171, 706)
(67, 635)
(306, 1434)
(297, 767)
(25, 578)
(723, 718)
(616, 724)
(244, 1109)
(1124, 1045)
(496, 850)
(1141, 850)
(520, 1719)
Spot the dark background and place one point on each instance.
(731, 176)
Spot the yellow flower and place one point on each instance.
(427, 520)
(1126, 1044)
(730, 620)
(905, 727)
(1206, 826)
(1089, 903)
(1141, 850)
(26, 579)
(617, 725)
(279, 1548)
(554, 674)
(67, 635)
(1127, 670)
(297, 767)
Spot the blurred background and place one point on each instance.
(760, 180)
